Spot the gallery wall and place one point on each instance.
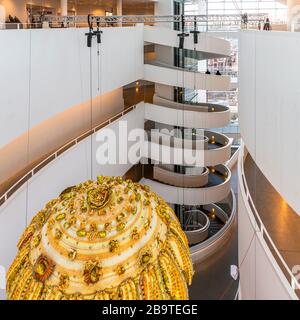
(57, 71)
(269, 113)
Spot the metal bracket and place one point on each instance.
(182, 35)
(93, 33)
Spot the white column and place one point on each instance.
(2, 16)
(293, 15)
(164, 8)
(64, 7)
(164, 54)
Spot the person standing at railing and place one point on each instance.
(259, 25)
(267, 25)
(244, 21)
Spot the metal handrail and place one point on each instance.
(158, 18)
(216, 240)
(55, 154)
(261, 229)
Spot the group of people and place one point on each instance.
(218, 73)
(266, 23)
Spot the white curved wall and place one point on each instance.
(269, 113)
(52, 133)
(260, 276)
(206, 43)
(183, 156)
(189, 196)
(46, 71)
(184, 118)
(185, 79)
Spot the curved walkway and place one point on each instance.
(280, 220)
(212, 279)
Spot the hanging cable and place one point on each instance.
(195, 32)
(90, 34)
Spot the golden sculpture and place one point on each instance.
(109, 239)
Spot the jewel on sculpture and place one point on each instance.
(102, 234)
(43, 268)
(100, 179)
(147, 224)
(107, 226)
(145, 257)
(120, 270)
(58, 234)
(113, 245)
(25, 240)
(92, 272)
(99, 198)
(92, 235)
(67, 225)
(121, 226)
(119, 179)
(64, 281)
(120, 217)
(162, 211)
(135, 235)
(60, 217)
(138, 197)
(120, 200)
(81, 233)
(66, 194)
(72, 254)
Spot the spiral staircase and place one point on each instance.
(179, 127)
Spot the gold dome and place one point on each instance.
(109, 239)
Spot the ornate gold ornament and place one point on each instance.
(43, 268)
(92, 272)
(104, 239)
(99, 198)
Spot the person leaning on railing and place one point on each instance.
(13, 23)
(267, 25)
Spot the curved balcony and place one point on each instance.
(198, 115)
(184, 78)
(207, 148)
(268, 237)
(188, 180)
(197, 226)
(166, 183)
(213, 256)
(208, 47)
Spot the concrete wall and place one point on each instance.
(261, 277)
(56, 71)
(269, 111)
(56, 131)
